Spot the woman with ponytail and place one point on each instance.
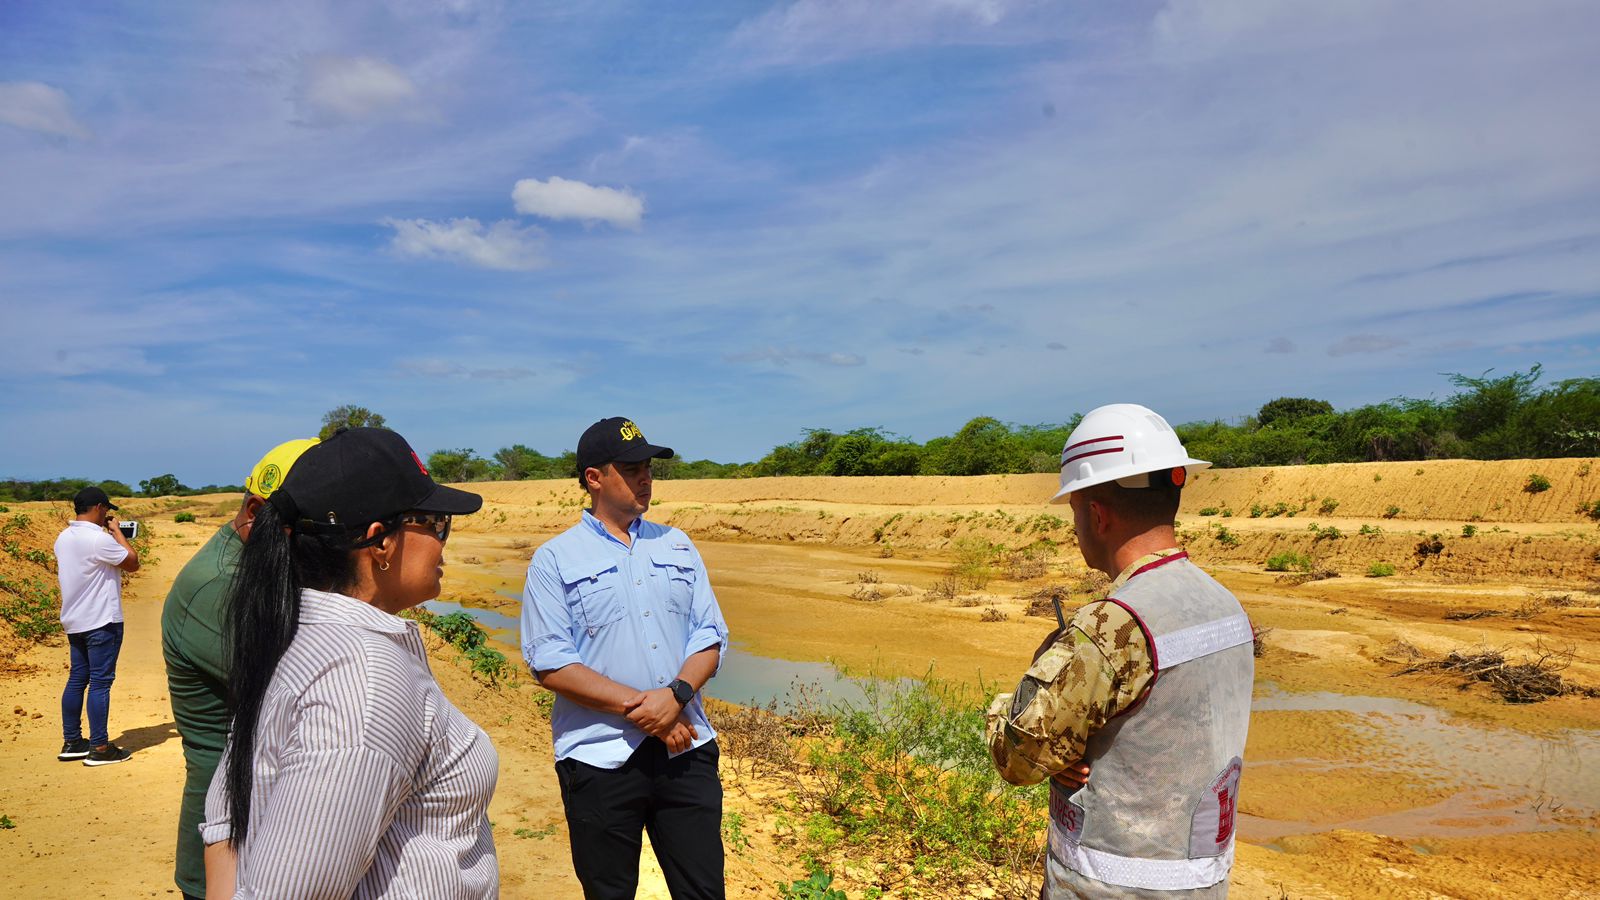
(348, 773)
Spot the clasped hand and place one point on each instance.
(657, 713)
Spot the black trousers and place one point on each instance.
(679, 801)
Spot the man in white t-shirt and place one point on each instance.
(91, 555)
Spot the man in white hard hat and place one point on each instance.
(1148, 690)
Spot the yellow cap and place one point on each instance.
(269, 473)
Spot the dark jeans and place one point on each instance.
(679, 801)
(94, 666)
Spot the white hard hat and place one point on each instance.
(1121, 442)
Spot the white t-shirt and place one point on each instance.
(91, 584)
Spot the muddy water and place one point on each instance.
(1484, 779)
(744, 678)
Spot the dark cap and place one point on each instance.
(360, 476)
(615, 440)
(89, 498)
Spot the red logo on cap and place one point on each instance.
(418, 462)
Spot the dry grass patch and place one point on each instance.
(1530, 680)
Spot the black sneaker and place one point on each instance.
(105, 756)
(72, 750)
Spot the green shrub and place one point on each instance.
(1331, 533)
(491, 664)
(1468, 530)
(1288, 560)
(33, 608)
(183, 517)
(1255, 510)
(1371, 530)
(1590, 509)
(817, 887)
(1391, 512)
(1537, 484)
(1226, 538)
(1380, 570)
(1210, 511)
(975, 562)
(37, 556)
(1328, 506)
(1227, 512)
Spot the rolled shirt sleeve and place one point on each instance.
(546, 620)
(708, 629)
(107, 550)
(1098, 668)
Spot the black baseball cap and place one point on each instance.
(360, 476)
(89, 498)
(615, 440)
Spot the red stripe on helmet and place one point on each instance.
(1114, 437)
(1089, 453)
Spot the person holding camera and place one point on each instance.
(91, 555)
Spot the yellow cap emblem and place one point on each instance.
(631, 432)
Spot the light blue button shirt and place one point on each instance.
(631, 613)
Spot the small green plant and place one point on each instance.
(1210, 511)
(733, 832)
(183, 517)
(1537, 484)
(1391, 512)
(817, 887)
(6, 509)
(1225, 537)
(1370, 530)
(1331, 533)
(37, 556)
(5, 821)
(1227, 512)
(1288, 560)
(1256, 510)
(537, 834)
(16, 523)
(33, 608)
(1469, 530)
(974, 565)
(1328, 506)
(1380, 570)
(491, 664)
(1590, 509)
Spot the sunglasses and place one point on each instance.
(439, 522)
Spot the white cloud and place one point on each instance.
(439, 368)
(1280, 345)
(1365, 343)
(786, 356)
(559, 198)
(336, 89)
(808, 32)
(39, 107)
(500, 246)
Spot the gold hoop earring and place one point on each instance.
(383, 567)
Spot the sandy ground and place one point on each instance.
(1359, 783)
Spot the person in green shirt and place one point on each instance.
(192, 642)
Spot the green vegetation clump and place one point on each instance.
(1328, 506)
(1590, 509)
(1380, 570)
(1225, 537)
(1210, 511)
(1287, 561)
(462, 632)
(817, 886)
(974, 565)
(1537, 484)
(1391, 512)
(1469, 530)
(33, 607)
(183, 517)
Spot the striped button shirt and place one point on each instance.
(367, 782)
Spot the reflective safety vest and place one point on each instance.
(1157, 814)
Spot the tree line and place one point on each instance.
(1505, 417)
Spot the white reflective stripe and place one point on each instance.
(1204, 639)
(1129, 871)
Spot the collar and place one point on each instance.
(329, 608)
(599, 527)
(86, 524)
(1146, 563)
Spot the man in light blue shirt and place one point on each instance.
(618, 619)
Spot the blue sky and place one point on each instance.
(496, 222)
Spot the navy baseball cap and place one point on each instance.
(615, 440)
(89, 498)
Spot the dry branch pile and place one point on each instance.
(1533, 679)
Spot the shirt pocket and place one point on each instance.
(677, 569)
(593, 594)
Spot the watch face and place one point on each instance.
(682, 691)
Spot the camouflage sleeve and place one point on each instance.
(1099, 667)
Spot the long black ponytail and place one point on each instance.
(263, 614)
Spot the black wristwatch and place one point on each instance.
(682, 691)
